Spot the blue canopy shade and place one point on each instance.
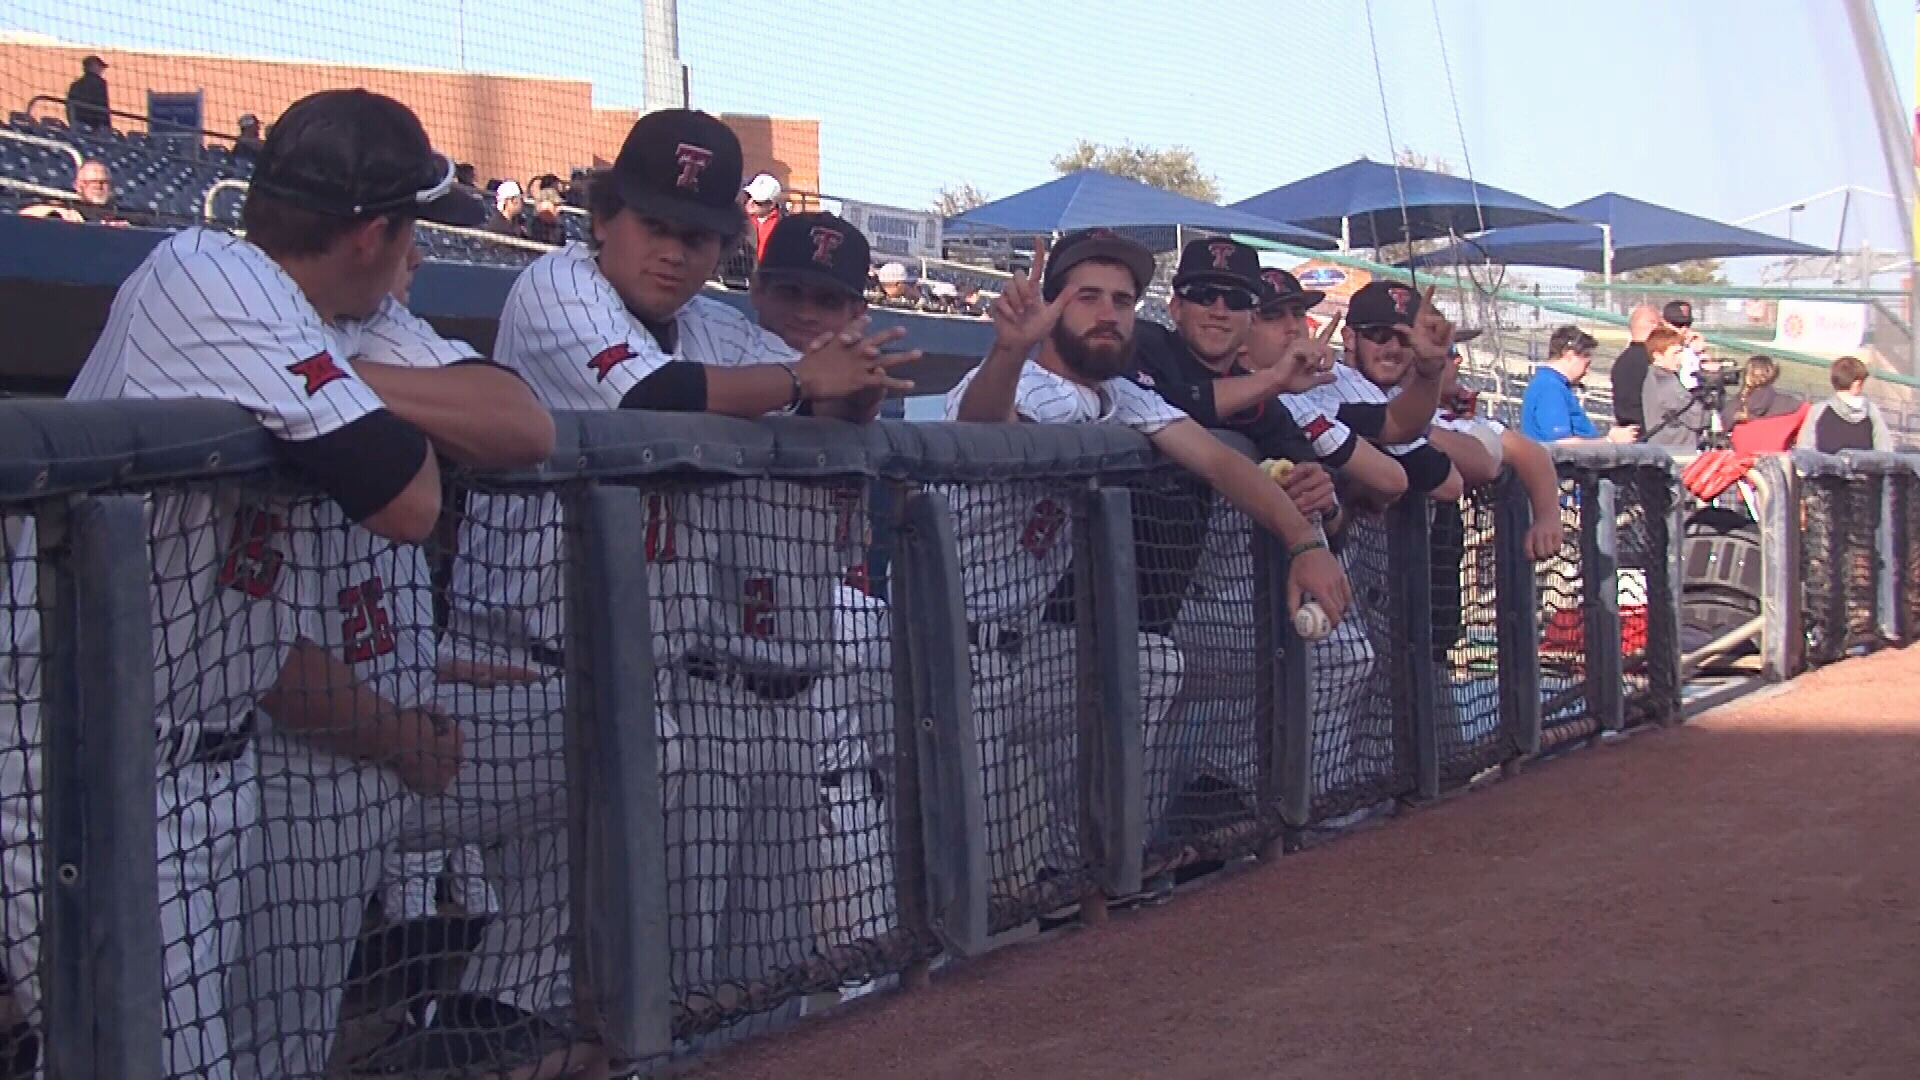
(1642, 235)
(1090, 199)
(1369, 197)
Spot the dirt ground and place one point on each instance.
(1733, 898)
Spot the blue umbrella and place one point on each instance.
(1369, 204)
(1090, 199)
(1621, 234)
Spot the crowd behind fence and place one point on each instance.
(667, 851)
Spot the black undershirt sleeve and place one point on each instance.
(679, 386)
(365, 465)
(1366, 420)
(1427, 467)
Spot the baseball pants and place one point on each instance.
(202, 811)
(855, 891)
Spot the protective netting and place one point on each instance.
(1906, 535)
(1471, 736)
(1018, 541)
(1838, 556)
(1641, 562)
(1198, 586)
(1362, 738)
(1564, 709)
(21, 1017)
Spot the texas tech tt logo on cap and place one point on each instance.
(1402, 299)
(1222, 251)
(825, 242)
(693, 161)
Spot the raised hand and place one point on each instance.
(1022, 317)
(1432, 337)
(848, 364)
(1308, 361)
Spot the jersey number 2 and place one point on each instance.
(1043, 528)
(757, 607)
(364, 626)
(252, 565)
(660, 524)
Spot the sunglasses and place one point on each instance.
(1287, 312)
(1381, 335)
(1207, 295)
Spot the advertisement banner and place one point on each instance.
(1820, 327)
(891, 230)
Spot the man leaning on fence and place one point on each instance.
(1063, 342)
(617, 323)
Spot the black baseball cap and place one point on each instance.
(1082, 244)
(1220, 261)
(1678, 313)
(683, 166)
(1280, 290)
(818, 249)
(357, 154)
(1383, 303)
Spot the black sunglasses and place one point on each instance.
(1380, 335)
(1206, 295)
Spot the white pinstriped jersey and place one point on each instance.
(745, 570)
(1349, 387)
(364, 598)
(1003, 533)
(210, 316)
(19, 614)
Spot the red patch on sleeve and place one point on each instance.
(604, 361)
(319, 370)
(1318, 426)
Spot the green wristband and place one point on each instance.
(1297, 550)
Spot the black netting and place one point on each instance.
(1823, 569)
(1362, 745)
(1017, 541)
(1472, 738)
(1197, 609)
(1646, 548)
(1860, 533)
(1639, 559)
(1906, 525)
(21, 1017)
(1564, 709)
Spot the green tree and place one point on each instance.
(959, 199)
(1172, 168)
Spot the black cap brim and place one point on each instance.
(456, 208)
(725, 220)
(1305, 300)
(797, 276)
(1216, 277)
(1135, 257)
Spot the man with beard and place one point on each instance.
(1063, 339)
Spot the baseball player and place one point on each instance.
(20, 1021)
(1063, 339)
(618, 324)
(364, 603)
(208, 315)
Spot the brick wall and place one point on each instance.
(506, 125)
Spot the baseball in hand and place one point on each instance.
(1311, 621)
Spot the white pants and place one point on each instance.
(202, 811)
(855, 892)
(327, 827)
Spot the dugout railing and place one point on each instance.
(1040, 723)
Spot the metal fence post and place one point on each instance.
(1667, 515)
(1600, 580)
(1409, 552)
(1516, 619)
(616, 816)
(1886, 569)
(1783, 639)
(942, 875)
(1112, 755)
(100, 949)
(1284, 692)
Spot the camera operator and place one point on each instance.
(1680, 418)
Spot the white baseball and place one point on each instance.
(1311, 621)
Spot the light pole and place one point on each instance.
(1792, 210)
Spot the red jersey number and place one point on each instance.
(757, 607)
(1043, 528)
(252, 565)
(659, 531)
(364, 626)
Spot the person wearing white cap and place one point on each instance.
(764, 211)
(894, 286)
(507, 201)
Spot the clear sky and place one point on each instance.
(1721, 107)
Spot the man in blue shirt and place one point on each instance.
(1550, 411)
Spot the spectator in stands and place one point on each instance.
(545, 225)
(1630, 369)
(466, 175)
(1847, 420)
(1758, 398)
(87, 107)
(577, 186)
(764, 211)
(95, 205)
(1678, 314)
(247, 146)
(507, 202)
(895, 288)
(1675, 416)
(1550, 411)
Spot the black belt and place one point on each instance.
(771, 687)
(996, 637)
(210, 748)
(876, 780)
(552, 656)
